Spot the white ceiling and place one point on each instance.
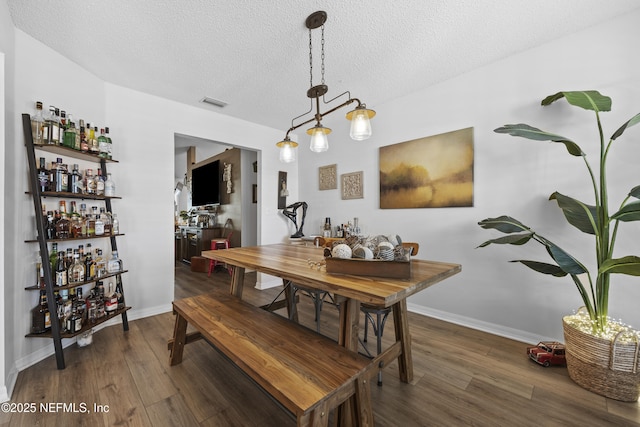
(254, 54)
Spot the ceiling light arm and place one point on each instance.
(319, 116)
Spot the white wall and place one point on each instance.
(512, 176)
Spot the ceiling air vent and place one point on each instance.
(213, 101)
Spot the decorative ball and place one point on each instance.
(341, 251)
(385, 245)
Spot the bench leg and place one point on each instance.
(179, 338)
(401, 325)
(363, 409)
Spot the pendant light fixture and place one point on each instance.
(360, 116)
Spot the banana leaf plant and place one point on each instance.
(591, 218)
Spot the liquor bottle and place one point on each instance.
(326, 232)
(89, 183)
(63, 227)
(61, 271)
(94, 148)
(115, 264)
(69, 138)
(43, 176)
(109, 143)
(76, 270)
(111, 300)
(89, 265)
(115, 224)
(83, 220)
(62, 177)
(103, 145)
(91, 222)
(75, 180)
(106, 220)
(101, 266)
(120, 293)
(53, 257)
(40, 316)
(52, 127)
(99, 179)
(84, 146)
(63, 126)
(109, 186)
(98, 223)
(37, 125)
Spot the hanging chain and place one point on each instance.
(311, 57)
(322, 54)
(310, 60)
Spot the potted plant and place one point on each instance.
(608, 364)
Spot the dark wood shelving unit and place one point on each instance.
(56, 333)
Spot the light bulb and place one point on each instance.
(360, 125)
(319, 141)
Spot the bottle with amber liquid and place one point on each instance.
(60, 271)
(63, 227)
(40, 316)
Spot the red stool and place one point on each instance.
(219, 243)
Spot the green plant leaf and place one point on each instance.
(503, 223)
(542, 267)
(587, 99)
(566, 262)
(635, 192)
(626, 265)
(529, 132)
(512, 239)
(629, 212)
(578, 214)
(633, 121)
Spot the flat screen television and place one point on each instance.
(205, 184)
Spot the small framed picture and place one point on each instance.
(352, 185)
(327, 177)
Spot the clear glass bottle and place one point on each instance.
(99, 223)
(62, 119)
(109, 186)
(101, 265)
(106, 220)
(83, 219)
(94, 147)
(76, 273)
(326, 232)
(37, 125)
(115, 224)
(91, 222)
(99, 179)
(114, 264)
(89, 182)
(52, 127)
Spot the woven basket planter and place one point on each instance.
(607, 367)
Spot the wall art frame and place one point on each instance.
(328, 177)
(352, 185)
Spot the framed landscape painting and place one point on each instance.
(430, 172)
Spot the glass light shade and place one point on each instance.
(319, 141)
(360, 123)
(287, 150)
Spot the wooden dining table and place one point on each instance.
(298, 264)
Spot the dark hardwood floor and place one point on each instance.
(462, 377)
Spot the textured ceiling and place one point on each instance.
(253, 54)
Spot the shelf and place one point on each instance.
(70, 239)
(85, 328)
(66, 151)
(69, 195)
(75, 285)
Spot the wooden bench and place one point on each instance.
(309, 374)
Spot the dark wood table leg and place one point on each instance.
(401, 325)
(179, 338)
(290, 298)
(237, 281)
(348, 337)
